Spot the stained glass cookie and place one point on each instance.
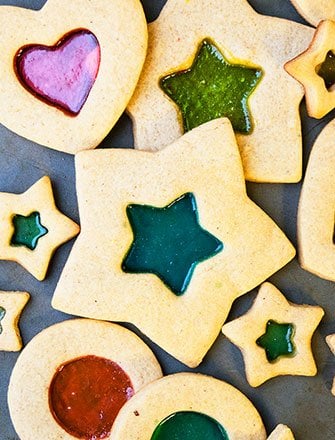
(330, 339)
(314, 11)
(76, 375)
(169, 234)
(229, 63)
(275, 336)
(69, 69)
(33, 227)
(11, 306)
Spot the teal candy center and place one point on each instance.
(327, 70)
(27, 230)
(213, 88)
(277, 340)
(169, 242)
(189, 425)
(2, 315)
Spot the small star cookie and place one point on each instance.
(330, 339)
(275, 336)
(317, 207)
(228, 63)
(69, 69)
(282, 432)
(11, 306)
(79, 372)
(315, 70)
(181, 239)
(314, 11)
(33, 228)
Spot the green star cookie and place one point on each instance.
(27, 230)
(212, 88)
(277, 340)
(169, 242)
(2, 315)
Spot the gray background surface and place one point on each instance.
(305, 404)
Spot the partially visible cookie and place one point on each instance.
(69, 69)
(330, 339)
(11, 306)
(76, 375)
(275, 336)
(314, 11)
(282, 432)
(317, 207)
(315, 70)
(213, 58)
(32, 227)
(188, 406)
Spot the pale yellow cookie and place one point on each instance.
(330, 339)
(314, 11)
(282, 432)
(275, 336)
(119, 27)
(31, 391)
(32, 227)
(317, 208)
(272, 151)
(188, 392)
(11, 306)
(200, 175)
(305, 68)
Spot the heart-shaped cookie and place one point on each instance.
(69, 70)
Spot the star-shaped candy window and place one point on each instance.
(2, 315)
(277, 340)
(11, 306)
(212, 88)
(272, 353)
(27, 230)
(169, 242)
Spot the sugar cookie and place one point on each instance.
(314, 11)
(180, 239)
(11, 306)
(282, 432)
(70, 373)
(275, 336)
(331, 343)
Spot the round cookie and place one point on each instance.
(184, 396)
(43, 372)
(69, 69)
(314, 11)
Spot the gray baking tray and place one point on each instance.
(305, 404)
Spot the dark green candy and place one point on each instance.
(212, 88)
(2, 315)
(169, 242)
(277, 340)
(27, 230)
(327, 70)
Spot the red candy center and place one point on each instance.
(86, 394)
(61, 75)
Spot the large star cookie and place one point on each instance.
(317, 207)
(69, 69)
(33, 228)
(229, 63)
(314, 11)
(169, 235)
(331, 343)
(11, 306)
(275, 336)
(315, 70)
(282, 432)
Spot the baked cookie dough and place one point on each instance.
(11, 306)
(282, 432)
(191, 46)
(314, 11)
(330, 339)
(314, 69)
(317, 208)
(63, 381)
(32, 227)
(190, 406)
(275, 336)
(168, 234)
(69, 69)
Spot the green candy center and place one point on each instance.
(213, 88)
(169, 242)
(189, 425)
(277, 340)
(27, 230)
(327, 70)
(2, 315)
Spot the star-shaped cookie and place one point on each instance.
(259, 43)
(11, 306)
(314, 69)
(33, 228)
(314, 11)
(271, 306)
(206, 163)
(282, 432)
(331, 343)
